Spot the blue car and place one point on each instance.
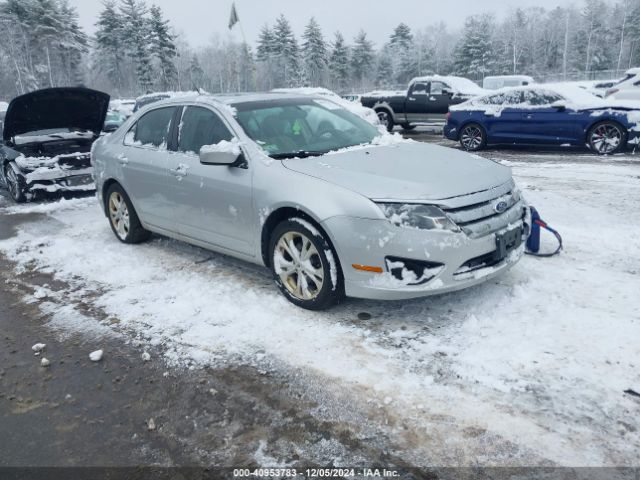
(545, 115)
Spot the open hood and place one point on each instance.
(75, 108)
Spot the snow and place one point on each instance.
(223, 146)
(540, 356)
(44, 363)
(356, 108)
(38, 347)
(460, 85)
(96, 356)
(146, 357)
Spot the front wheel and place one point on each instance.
(304, 265)
(386, 120)
(473, 137)
(15, 183)
(123, 218)
(606, 138)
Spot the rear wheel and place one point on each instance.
(304, 265)
(473, 137)
(15, 183)
(123, 218)
(386, 119)
(606, 138)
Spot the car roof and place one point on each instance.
(229, 99)
(633, 71)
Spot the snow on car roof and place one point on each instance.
(459, 84)
(577, 97)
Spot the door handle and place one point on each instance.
(411, 99)
(122, 160)
(432, 99)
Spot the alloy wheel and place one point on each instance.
(119, 215)
(606, 138)
(471, 137)
(298, 265)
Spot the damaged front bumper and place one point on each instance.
(63, 173)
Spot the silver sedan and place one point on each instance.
(332, 205)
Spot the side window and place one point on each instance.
(507, 98)
(437, 87)
(151, 130)
(541, 97)
(199, 127)
(419, 89)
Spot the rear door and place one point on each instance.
(212, 203)
(143, 164)
(416, 106)
(541, 123)
(438, 101)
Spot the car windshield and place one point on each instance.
(302, 127)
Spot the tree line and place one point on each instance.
(136, 50)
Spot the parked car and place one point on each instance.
(501, 81)
(124, 106)
(426, 101)
(544, 114)
(628, 88)
(47, 140)
(302, 186)
(113, 121)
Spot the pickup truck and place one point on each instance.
(426, 101)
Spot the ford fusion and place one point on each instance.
(47, 137)
(325, 200)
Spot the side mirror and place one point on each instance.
(559, 105)
(223, 153)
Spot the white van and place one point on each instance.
(499, 81)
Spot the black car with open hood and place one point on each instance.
(47, 140)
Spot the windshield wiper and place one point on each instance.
(298, 154)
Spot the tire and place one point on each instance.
(408, 127)
(386, 119)
(473, 137)
(123, 218)
(15, 183)
(607, 138)
(314, 285)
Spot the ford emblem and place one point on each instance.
(501, 207)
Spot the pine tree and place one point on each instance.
(266, 47)
(339, 63)
(314, 53)
(109, 43)
(137, 34)
(474, 55)
(384, 69)
(162, 48)
(403, 50)
(74, 43)
(362, 58)
(287, 53)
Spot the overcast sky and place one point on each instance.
(198, 20)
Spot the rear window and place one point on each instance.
(152, 129)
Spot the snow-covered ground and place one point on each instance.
(538, 359)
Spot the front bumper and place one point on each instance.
(450, 131)
(361, 241)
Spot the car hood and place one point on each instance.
(76, 108)
(406, 171)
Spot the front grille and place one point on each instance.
(480, 219)
(72, 161)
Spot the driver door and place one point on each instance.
(212, 203)
(416, 103)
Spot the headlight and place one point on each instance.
(426, 217)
